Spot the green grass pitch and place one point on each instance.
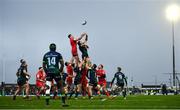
(132, 102)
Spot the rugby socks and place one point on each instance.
(84, 93)
(124, 94)
(99, 93)
(66, 95)
(38, 93)
(77, 93)
(47, 99)
(63, 100)
(55, 94)
(89, 95)
(107, 93)
(71, 94)
(14, 97)
(48, 85)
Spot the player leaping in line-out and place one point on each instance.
(83, 46)
(73, 42)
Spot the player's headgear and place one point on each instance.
(119, 68)
(40, 68)
(69, 35)
(101, 65)
(66, 63)
(22, 61)
(52, 47)
(94, 66)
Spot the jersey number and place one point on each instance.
(52, 61)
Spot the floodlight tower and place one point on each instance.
(173, 12)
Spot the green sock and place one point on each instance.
(63, 99)
(47, 99)
(77, 93)
(71, 94)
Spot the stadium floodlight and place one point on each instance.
(173, 13)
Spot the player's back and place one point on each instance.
(21, 71)
(120, 77)
(92, 75)
(52, 59)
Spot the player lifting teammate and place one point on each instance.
(69, 79)
(77, 81)
(92, 80)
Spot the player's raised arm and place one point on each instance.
(82, 35)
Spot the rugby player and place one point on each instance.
(84, 79)
(22, 79)
(73, 42)
(101, 74)
(83, 46)
(40, 82)
(77, 81)
(121, 82)
(92, 80)
(69, 79)
(51, 62)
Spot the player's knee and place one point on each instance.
(27, 86)
(78, 89)
(48, 87)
